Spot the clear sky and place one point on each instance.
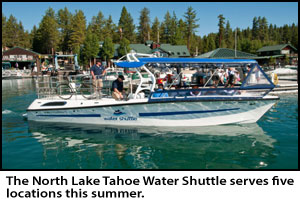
(239, 14)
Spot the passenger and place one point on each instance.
(195, 93)
(237, 76)
(245, 71)
(221, 74)
(160, 95)
(231, 78)
(97, 72)
(257, 75)
(177, 87)
(117, 88)
(216, 79)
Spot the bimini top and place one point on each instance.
(143, 61)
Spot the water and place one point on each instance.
(271, 143)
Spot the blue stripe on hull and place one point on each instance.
(184, 112)
(69, 115)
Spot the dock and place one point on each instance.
(285, 86)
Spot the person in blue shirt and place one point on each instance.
(97, 72)
(117, 88)
(160, 95)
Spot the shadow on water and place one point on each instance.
(107, 147)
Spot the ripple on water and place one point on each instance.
(6, 111)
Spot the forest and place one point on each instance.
(71, 33)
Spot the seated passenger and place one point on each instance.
(160, 95)
(231, 78)
(117, 88)
(216, 79)
(195, 93)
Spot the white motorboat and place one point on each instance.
(175, 108)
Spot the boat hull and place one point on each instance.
(143, 113)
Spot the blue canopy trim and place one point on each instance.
(197, 60)
(130, 64)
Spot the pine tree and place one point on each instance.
(144, 25)
(200, 45)
(97, 25)
(155, 30)
(47, 35)
(287, 35)
(78, 27)
(239, 39)
(245, 45)
(221, 31)
(255, 28)
(4, 34)
(255, 45)
(264, 25)
(124, 47)
(64, 19)
(90, 47)
(205, 44)
(107, 51)
(177, 31)
(11, 31)
(180, 33)
(162, 38)
(35, 37)
(194, 45)
(211, 45)
(110, 30)
(127, 26)
(294, 40)
(191, 20)
(166, 29)
(229, 38)
(262, 29)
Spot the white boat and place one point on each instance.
(12, 74)
(176, 108)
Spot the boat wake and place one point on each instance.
(7, 111)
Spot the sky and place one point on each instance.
(239, 14)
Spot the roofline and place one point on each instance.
(216, 50)
(23, 49)
(284, 45)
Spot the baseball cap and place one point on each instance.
(121, 77)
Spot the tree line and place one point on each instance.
(70, 33)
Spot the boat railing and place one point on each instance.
(64, 87)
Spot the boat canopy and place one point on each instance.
(197, 60)
(142, 61)
(127, 64)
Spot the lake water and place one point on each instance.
(271, 143)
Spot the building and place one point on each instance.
(20, 57)
(225, 53)
(168, 50)
(150, 47)
(280, 53)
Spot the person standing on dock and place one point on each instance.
(97, 72)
